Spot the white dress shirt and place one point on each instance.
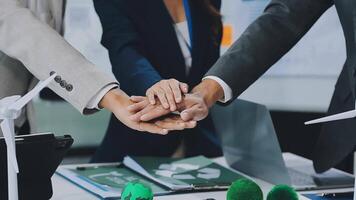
(182, 32)
(226, 88)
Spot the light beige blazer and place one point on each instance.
(30, 44)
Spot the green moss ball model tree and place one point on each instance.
(137, 191)
(282, 192)
(244, 189)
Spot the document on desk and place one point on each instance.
(196, 173)
(164, 175)
(105, 180)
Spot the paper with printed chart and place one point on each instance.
(163, 175)
(196, 173)
(105, 180)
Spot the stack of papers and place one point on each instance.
(164, 175)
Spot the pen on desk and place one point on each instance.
(82, 168)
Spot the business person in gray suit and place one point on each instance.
(31, 47)
(264, 42)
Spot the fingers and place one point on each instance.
(178, 88)
(170, 97)
(152, 128)
(136, 107)
(175, 87)
(195, 113)
(137, 99)
(184, 87)
(162, 98)
(175, 123)
(149, 113)
(151, 96)
(163, 127)
(169, 93)
(170, 125)
(137, 116)
(191, 124)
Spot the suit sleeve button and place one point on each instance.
(69, 87)
(58, 79)
(63, 84)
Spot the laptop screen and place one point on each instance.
(249, 141)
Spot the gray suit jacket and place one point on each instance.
(274, 33)
(30, 44)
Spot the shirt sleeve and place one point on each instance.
(94, 102)
(226, 88)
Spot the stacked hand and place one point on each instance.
(117, 102)
(192, 107)
(157, 113)
(169, 93)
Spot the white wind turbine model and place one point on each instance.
(344, 115)
(10, 109)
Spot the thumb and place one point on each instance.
(193, 114)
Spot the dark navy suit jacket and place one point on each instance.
(144, 49)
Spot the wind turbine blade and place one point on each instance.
(18, 105)
(340, 116)
(9, 136)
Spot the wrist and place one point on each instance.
(113, 99)
(210, 91)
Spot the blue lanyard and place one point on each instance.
(189, 20)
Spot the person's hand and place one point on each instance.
(194, 107)
(203, 96)
(117, 102)
(174, 120)
(169, 93)
(143, 110)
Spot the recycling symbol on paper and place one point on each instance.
(176, 171)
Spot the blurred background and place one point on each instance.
(297, 88)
